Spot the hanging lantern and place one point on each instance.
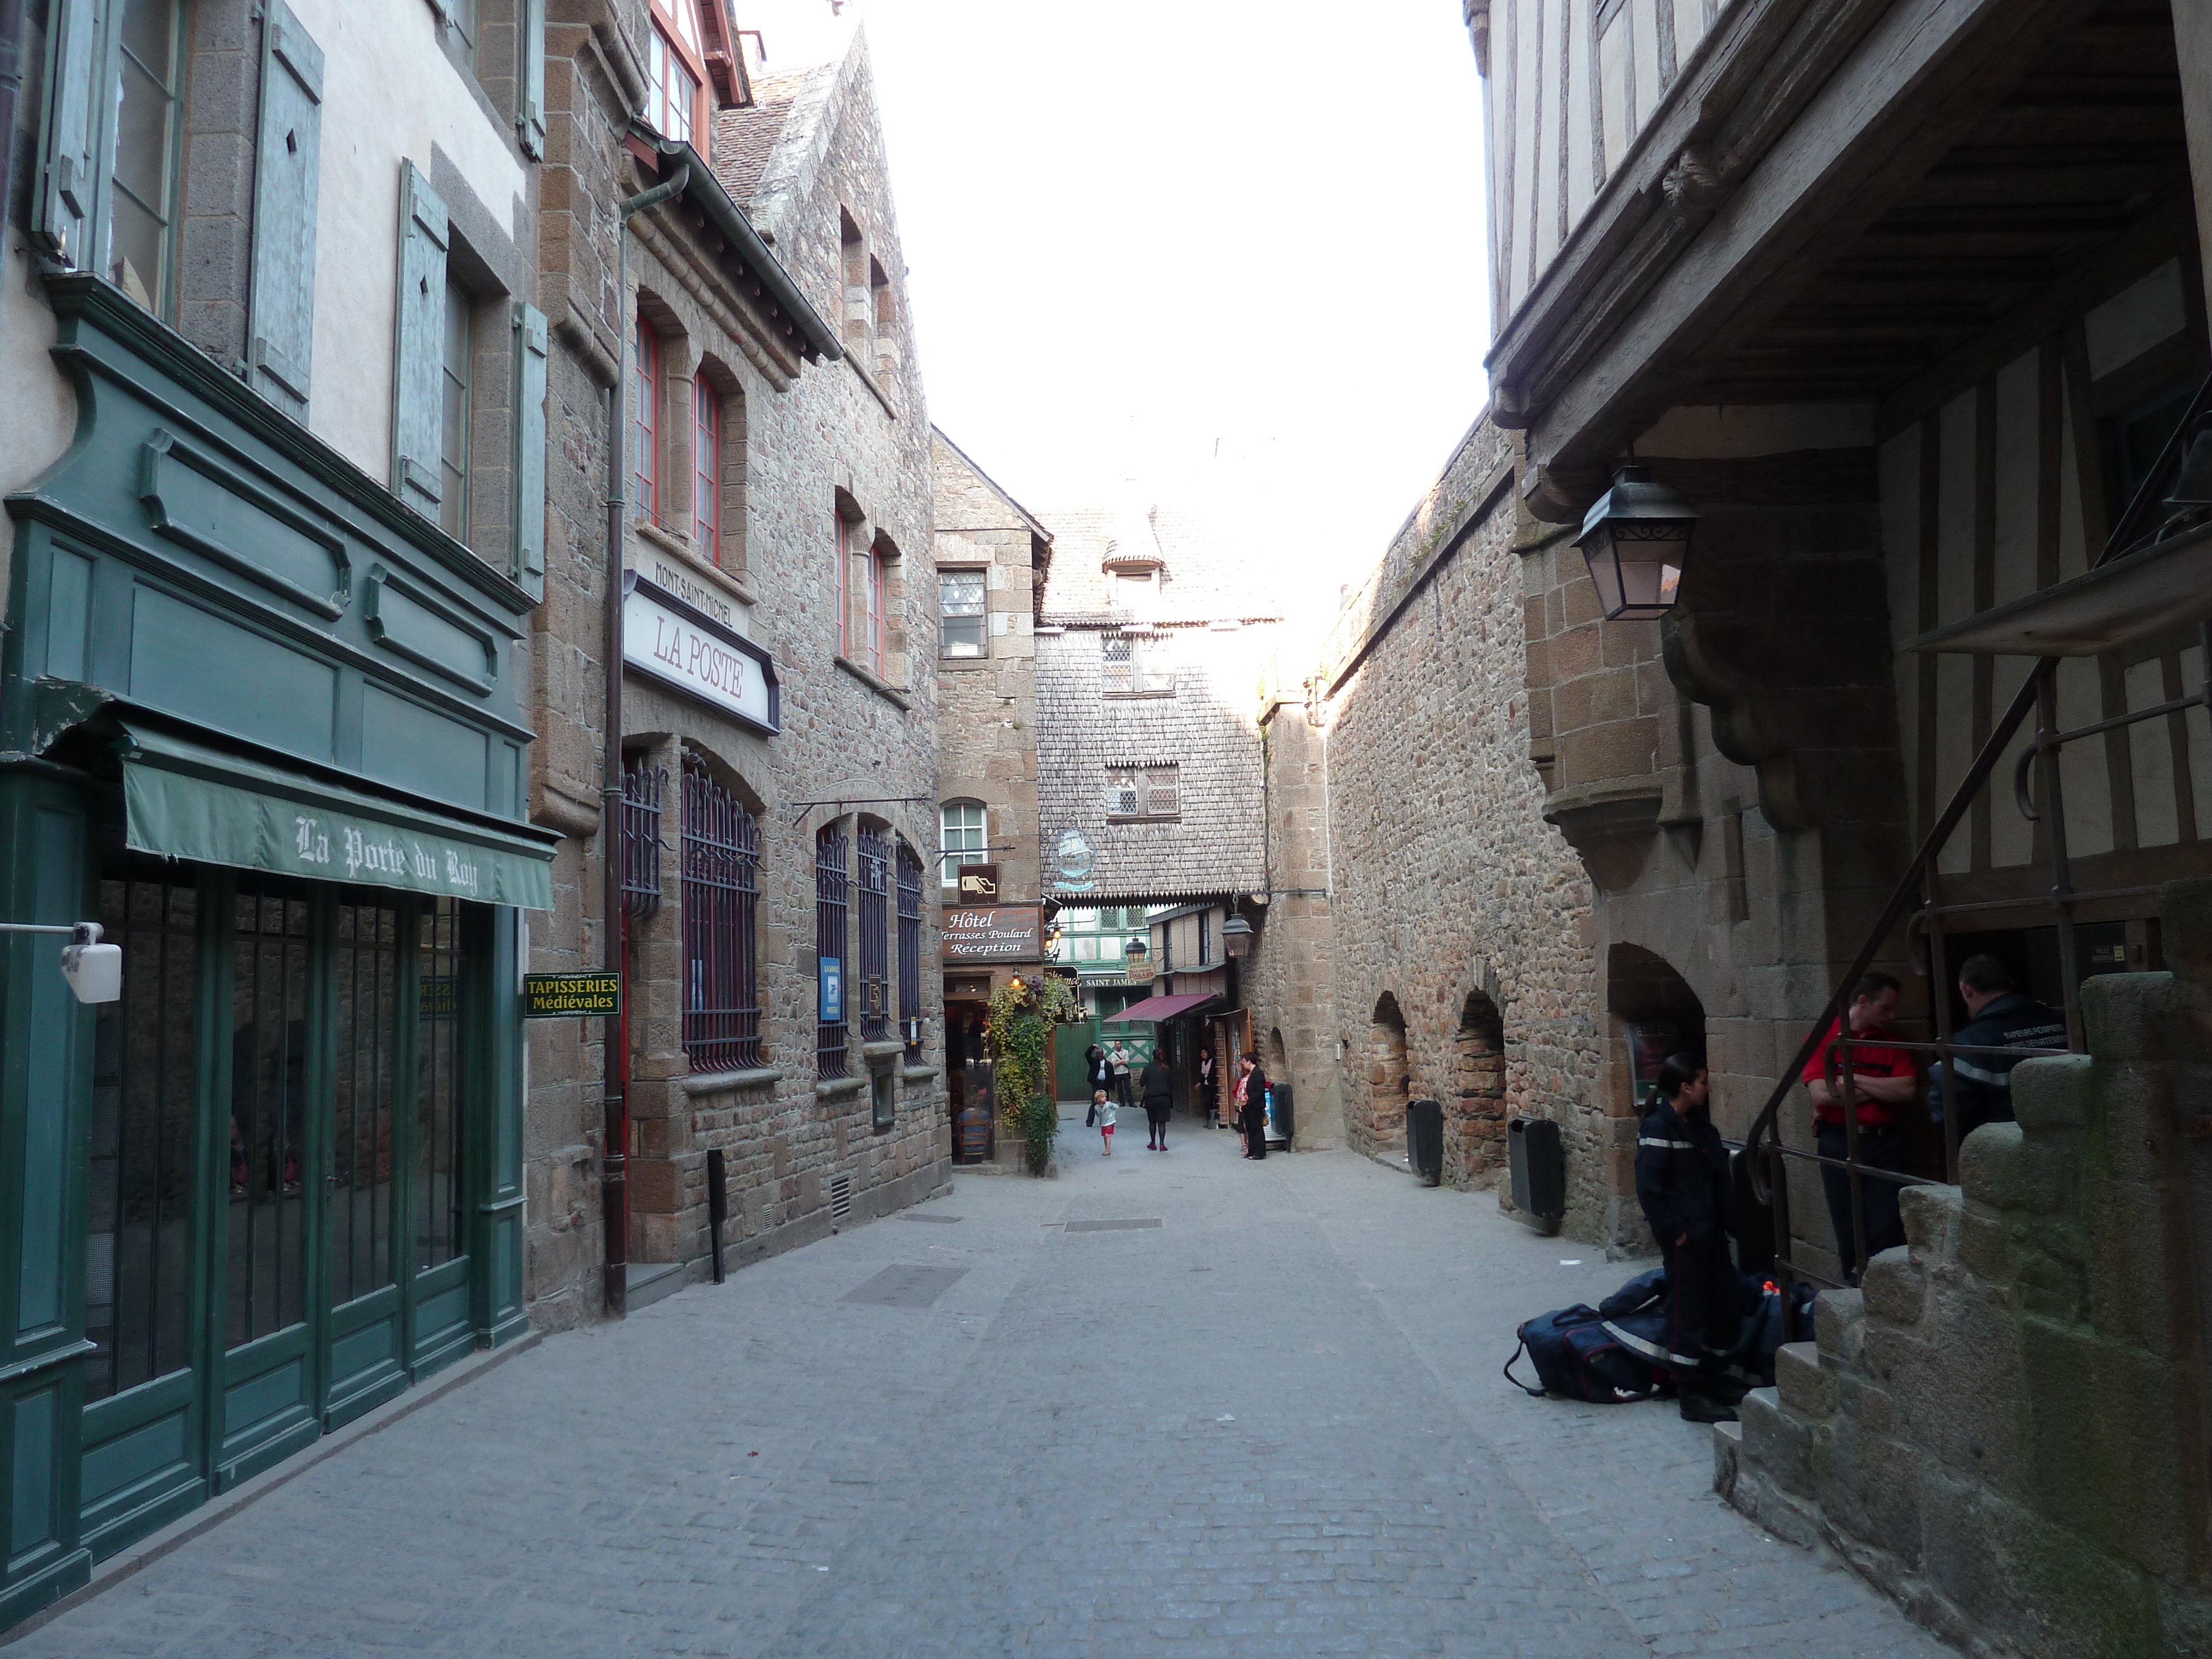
(1637, 539)
(1237, 936)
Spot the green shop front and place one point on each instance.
(260, 725)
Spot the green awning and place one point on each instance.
(186, 801)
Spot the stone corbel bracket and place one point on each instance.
(1745, 729)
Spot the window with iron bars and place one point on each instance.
(871, 950)
(830, 882)
(643, 788)
(909, 949)
(721, 906)
(1143, 792)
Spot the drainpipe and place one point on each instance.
(614, 1180)
(11, 86)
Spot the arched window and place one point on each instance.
(645, 463)
(706, 468)
(965, 841)
(842, 585)
(909, 948)
(831, 884)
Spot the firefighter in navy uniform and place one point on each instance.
(1682, 1181)
(1979, 1087)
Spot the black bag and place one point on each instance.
(1091, 1118)
(1576, 1355)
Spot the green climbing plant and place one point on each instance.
(1019, 1035)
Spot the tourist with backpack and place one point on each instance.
(1682, 1182)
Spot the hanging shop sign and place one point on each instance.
(668, 640)
(1073, 859)
(565, 996)
(993, 932)
(979, 883)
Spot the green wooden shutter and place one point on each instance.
(419, 349)
(530, 448)
(61, 215)
(530, 79)
(285, 174)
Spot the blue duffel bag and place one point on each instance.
(1576, 1355)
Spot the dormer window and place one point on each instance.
(676, 72)
(1133, 583)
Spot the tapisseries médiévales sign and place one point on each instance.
(569, 996)
(993, 932)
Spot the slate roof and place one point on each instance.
(1206, 577)
(745, 138)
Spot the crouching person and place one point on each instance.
(1682, 1181)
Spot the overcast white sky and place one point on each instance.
(1229, 249)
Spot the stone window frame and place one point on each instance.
(947, 862)
(731, 469)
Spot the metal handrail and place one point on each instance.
(1763, 1144)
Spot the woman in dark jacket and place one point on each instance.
(1252, 1089)
(1682, 1182)
(1156, 1085)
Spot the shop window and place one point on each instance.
(831, 883)
(439, 1228)
(645, 439)
(962, 602)
(706, 468)
(963, 839)
(266, 1252)
(909, 949)
(1143, 792)
(721, 909)
(871, 980)
(367, 940)
(148, 153)
(457, 372)
(138, 1248)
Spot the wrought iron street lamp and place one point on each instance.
(1636, 538)
(1237, 936)
(1136, 950)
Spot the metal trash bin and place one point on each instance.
(1540, 1172)
(1425, 1140)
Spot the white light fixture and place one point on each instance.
(93, 970)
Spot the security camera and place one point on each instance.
(94, 971)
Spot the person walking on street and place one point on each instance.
(1682, 1182)
(1100, 1071)
(1118, 1057)
(1209, 1091)
(1156, 1086)
(1885, 1083)
(1102, 1113)
(1979, 1087)
(1252, 1107)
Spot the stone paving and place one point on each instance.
(1273, 1424)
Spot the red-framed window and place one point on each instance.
(843, 586)
(876, 611)
(676, 73)
(646, 461)
(706, 468)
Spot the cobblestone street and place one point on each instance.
(1268, 1420)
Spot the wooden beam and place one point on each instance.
(1915, 87)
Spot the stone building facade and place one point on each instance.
(813, 549)
(1428, 935)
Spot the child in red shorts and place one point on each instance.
(1104, 1109)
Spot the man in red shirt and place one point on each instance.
(1885, 1083)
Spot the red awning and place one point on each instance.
(1159, 1008)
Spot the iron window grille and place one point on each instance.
(1139, 793)
(872, 949)
(721, 910)
(641, 845)
(830, 883)
(963, 601)
(909, 949)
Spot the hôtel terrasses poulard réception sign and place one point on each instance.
(993, 932)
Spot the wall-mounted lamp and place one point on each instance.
(94, 971)
(1636, 538)
(1237, 936)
